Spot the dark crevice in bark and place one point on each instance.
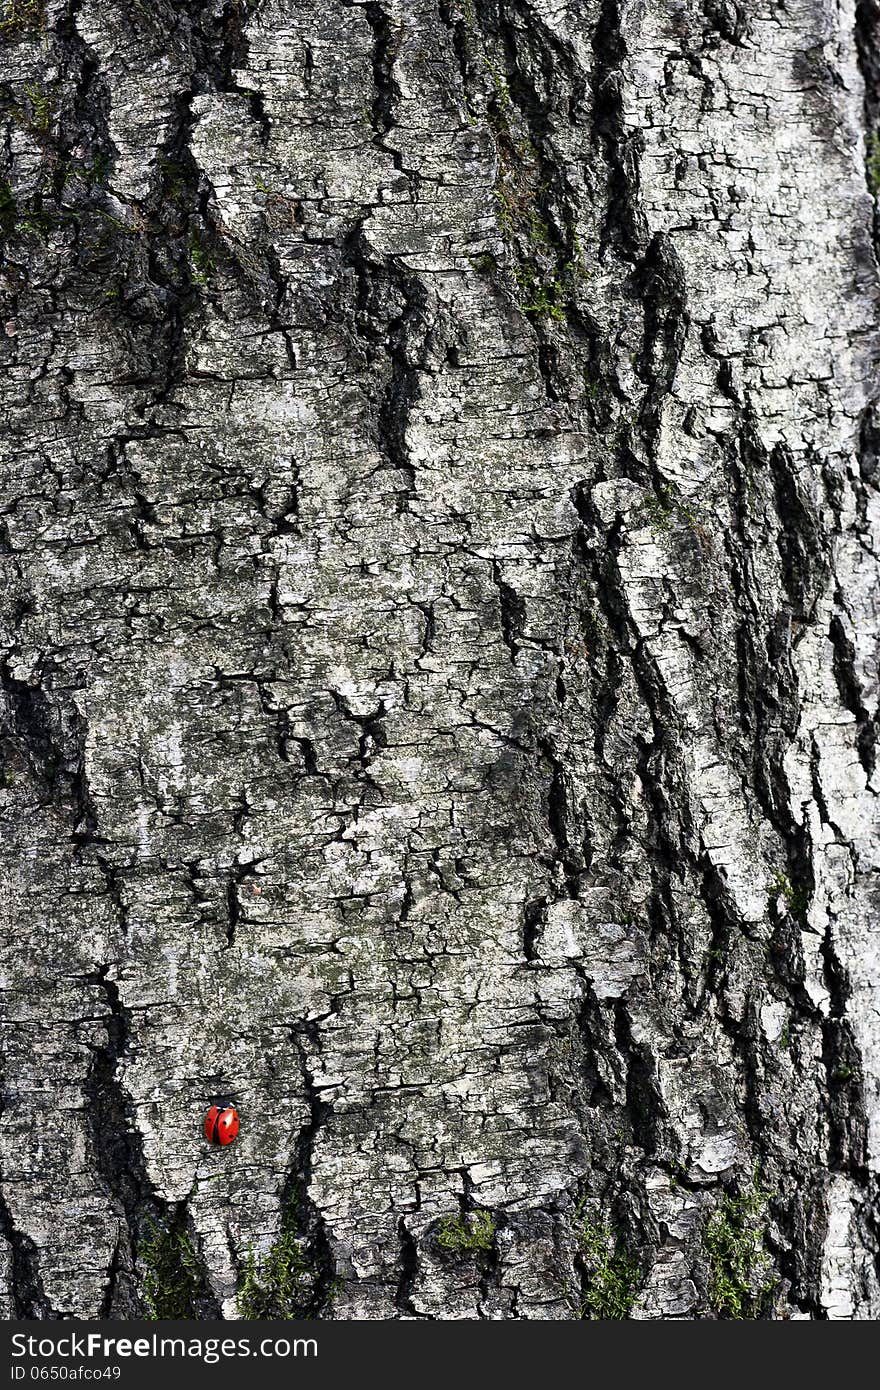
(534, 922)
(847, 1123)
(462, 43)
(490, 1273)
(159, 282)
(391, 320)
(117, 1299)
(387, 38)
(115, 1140)
(233, 911)
(661, 287)
(406, 355)
(89, 95)
(28, 722)
(118, 1159)
(869, 463)
(768, 693)
(592, 1091)
(170, 208)
(178, 1262)
(867, 35)
(538, 68)
(851, 693)
(26, 1287)
(801, 1215)
(409, 1271)
(47, 733)
(800, 539)
(311, 1222)
(625, 229)
(730, 19)
(531, 73)
(718, 953)
(512, 609)
(567, 854)
(644, 1102)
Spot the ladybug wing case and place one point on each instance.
(211, 1124)
(227, 1126)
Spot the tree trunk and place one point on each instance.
(439, 672)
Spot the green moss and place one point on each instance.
(463, 1235)
(485, 263)
(39, 223)
(658, 511)
(202, 263)
(19, 17)
(666, 506)
(282, 1284)
(545, 272)
(594, 629)
(177, 180)
(97, 171)
(611, 1275)
(797, 897)
(740, 1280)
(117, 223)
(41, 107)
(468, 13)
(172, 1275)
(502, 105)
(543, 297)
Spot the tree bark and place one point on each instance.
(439, 664)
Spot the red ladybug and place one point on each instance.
(221, 1124)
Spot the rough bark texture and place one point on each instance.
(440, 553)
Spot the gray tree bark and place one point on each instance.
(439, 658)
